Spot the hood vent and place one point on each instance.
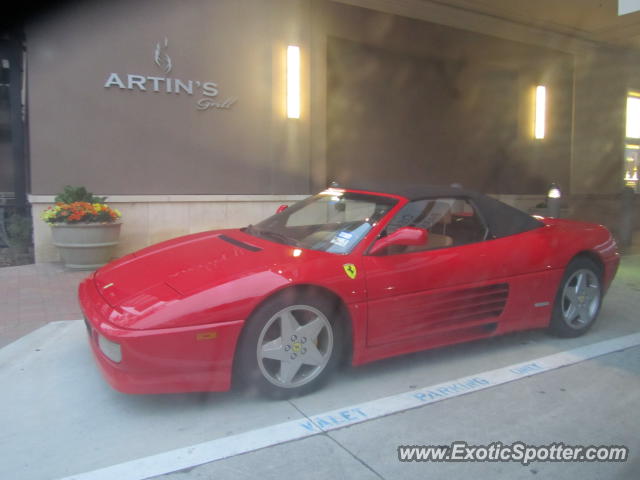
(239, 243)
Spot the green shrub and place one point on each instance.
(77, 194)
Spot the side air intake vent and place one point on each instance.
(469, 304)
(239, 243)
(458, 312)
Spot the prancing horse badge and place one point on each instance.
(351, 270)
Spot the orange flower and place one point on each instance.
(80, 212)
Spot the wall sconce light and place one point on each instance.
(293, 81)
(541, 111)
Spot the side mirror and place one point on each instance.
(402, 236)
(282, 208)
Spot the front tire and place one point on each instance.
(578, 299)
(290, 348)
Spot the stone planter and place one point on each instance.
(86, 246)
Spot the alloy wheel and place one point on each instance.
(580, 298)
(295, 346)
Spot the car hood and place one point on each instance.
(184, 266)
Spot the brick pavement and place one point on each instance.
(36, 294)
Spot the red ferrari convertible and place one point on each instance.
(346, 272)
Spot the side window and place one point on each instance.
(449, 222)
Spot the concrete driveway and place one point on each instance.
(61, 419)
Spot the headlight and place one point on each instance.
(110, 349)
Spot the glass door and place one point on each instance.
(12, 158)
(12, 155)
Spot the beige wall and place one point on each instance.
(151, 219)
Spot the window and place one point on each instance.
(632, 161)
(633, 115)
(450, 222)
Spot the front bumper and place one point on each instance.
(169, 360)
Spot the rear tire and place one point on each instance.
(290, 346)
(578, 300)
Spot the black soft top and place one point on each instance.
(502, 219)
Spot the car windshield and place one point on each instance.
(332, 221)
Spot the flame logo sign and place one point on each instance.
(163, 61)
